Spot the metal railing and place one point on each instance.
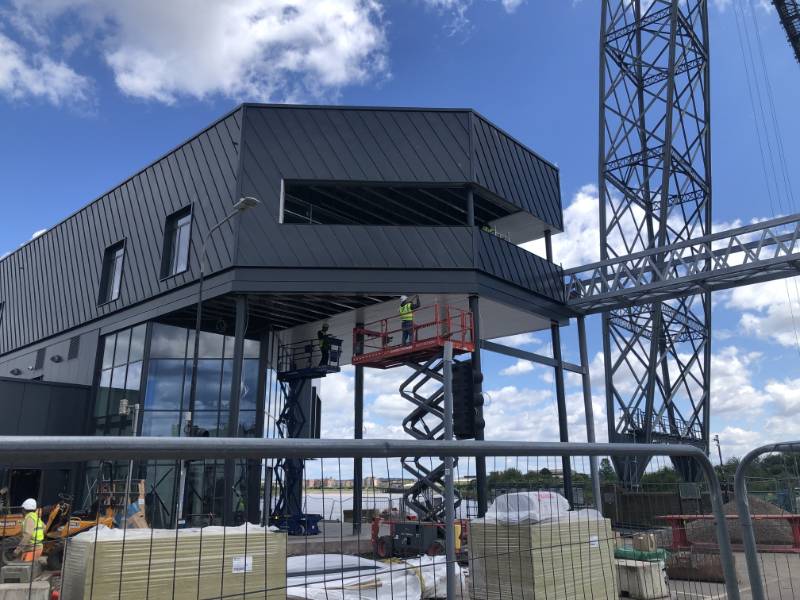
(745, 517)
(44, 450)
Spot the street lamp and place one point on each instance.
(243, 204)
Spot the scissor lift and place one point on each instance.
(379, 345)
(298, 365)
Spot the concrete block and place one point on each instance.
(642, 580)
(20, 572)
(38, 590)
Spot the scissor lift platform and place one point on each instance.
(380, 344)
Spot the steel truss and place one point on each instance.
(655, 191)
(425, 390)
(752, 254)
(789, 13)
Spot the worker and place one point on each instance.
(134, 517)
(32, 541)
(407, 307)
(324, 345)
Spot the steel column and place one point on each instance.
(481, 481)
(561, 400)
(358, 433)
(449, 487)
(240, 329)
(588, 410)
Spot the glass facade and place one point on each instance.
(120, 377)
(151, 364)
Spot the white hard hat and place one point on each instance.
(403, 298)
(29, 504)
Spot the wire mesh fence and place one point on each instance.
(159, 537)
(767, 525)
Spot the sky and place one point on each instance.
(91, 91)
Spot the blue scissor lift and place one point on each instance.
(298, 364)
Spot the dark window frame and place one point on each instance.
(111, 274)
(177, 236)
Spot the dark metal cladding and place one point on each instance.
(51, 284)
(515, 173)
(420, 161)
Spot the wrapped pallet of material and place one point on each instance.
(569, 556)
(230, 562)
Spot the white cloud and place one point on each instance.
(580, 242)
(519, 340)
(732, 389)
(242, 49)
(35, 75)
(736, 441)
(771, 310)
(786, 395)
(518, 368)
(391, 406)
(512, 5)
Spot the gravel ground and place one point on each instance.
(766, 532)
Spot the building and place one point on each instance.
(357, 207)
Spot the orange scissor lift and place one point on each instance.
(380, 345)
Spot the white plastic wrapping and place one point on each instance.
(527, 508)
(433, 571)
(343, 577)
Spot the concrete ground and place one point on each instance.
(780, 574)
(334, 538)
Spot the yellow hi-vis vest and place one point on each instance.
(406, 312)
(38, 530)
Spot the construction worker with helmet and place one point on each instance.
(32, 542)
(407, 308)
(324, 345)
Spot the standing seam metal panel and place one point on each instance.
(52, 283)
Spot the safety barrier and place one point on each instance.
(783, 584)
(517, 550)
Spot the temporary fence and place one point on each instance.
(530, 544)
(773, 562)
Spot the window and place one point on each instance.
(111, 277)
(39, 365)
(176, 242)
(74, 347)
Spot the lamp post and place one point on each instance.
(243, 204)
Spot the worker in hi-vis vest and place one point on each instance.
(407, 307)
(32, 542)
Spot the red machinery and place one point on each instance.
(394, 536)
(380, 344)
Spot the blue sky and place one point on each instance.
(92, 91)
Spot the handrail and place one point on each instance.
(447, 322)
(745, 518)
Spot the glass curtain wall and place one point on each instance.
(160, 381)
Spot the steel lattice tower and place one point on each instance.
(655, 190)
